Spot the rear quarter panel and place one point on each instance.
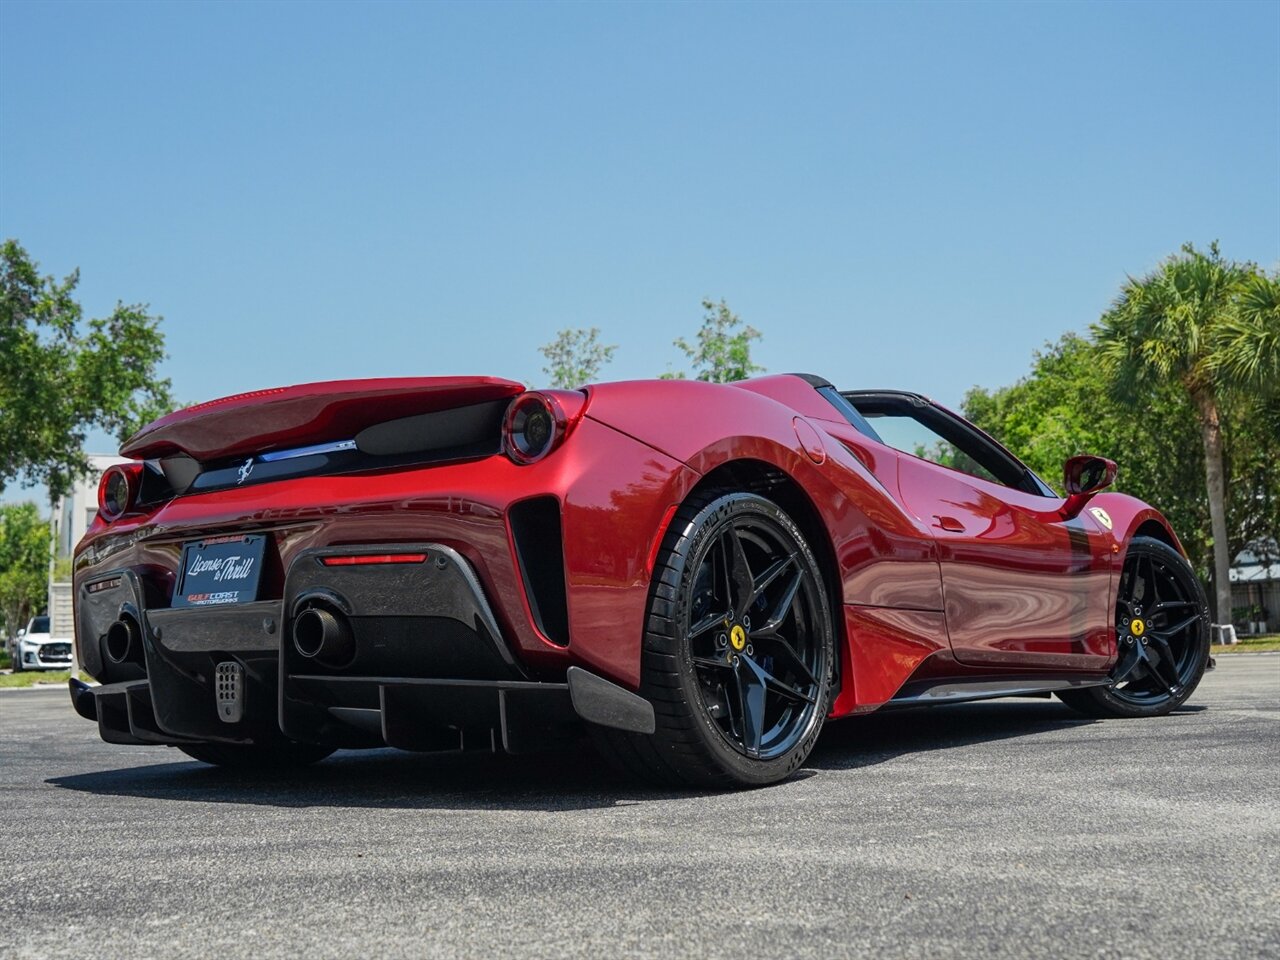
(885, 558)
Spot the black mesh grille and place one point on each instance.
(229, 691)
(535, 528)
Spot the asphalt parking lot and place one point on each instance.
(1011, 828)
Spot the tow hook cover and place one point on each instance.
(229, 689)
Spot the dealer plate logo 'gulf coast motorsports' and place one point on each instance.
(1101, 516)
(220, 570)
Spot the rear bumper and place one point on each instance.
(426, 667)
(410, 714)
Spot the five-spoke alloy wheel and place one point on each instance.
(1162, 634)
(739, 649)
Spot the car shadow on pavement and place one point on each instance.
(886, 734)
(881, 736)
(566, 779)
(563, 780)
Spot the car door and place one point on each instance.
(1020, 587)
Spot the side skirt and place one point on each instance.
(934, 692)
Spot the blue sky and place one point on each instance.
(910, 195)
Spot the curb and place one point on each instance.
(40, 688)
(1248, 653)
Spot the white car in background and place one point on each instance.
(34, 649)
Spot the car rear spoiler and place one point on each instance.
(310, 413)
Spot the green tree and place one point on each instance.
(722, 352)
(1248, 352)
(24, 564)
(61, 376)
(1169, 328)
(1251, 447)
(1063, 407)
(1246, 347)
(575, 357)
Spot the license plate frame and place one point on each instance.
(220, 571)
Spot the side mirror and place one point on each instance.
(1082, 477)
(22, 632)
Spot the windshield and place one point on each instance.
(39, 625)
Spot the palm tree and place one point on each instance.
(1247, 344)
(1185, 324)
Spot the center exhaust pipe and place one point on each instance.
(324, 636)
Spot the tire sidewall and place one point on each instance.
(1165, 554)
(704, 530)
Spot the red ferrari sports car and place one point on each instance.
(699, 575)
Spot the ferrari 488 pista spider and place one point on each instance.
(698, 575)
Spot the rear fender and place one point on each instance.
(616, 501)
(885, 557)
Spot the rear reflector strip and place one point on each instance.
(314, 450)
(363, 558)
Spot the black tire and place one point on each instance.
(699, 741)
(257, 756)
(1162, 631)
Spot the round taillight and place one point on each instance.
(118, 490)
(534, 425)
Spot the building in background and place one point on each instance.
(1255, 588)
(71, 518)
(76, 510)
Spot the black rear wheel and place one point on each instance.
(1162, 632)
(739, 650)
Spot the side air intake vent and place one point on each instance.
(535, 528)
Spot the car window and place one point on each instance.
(919, 427)
(39, 625)
(909, 435)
